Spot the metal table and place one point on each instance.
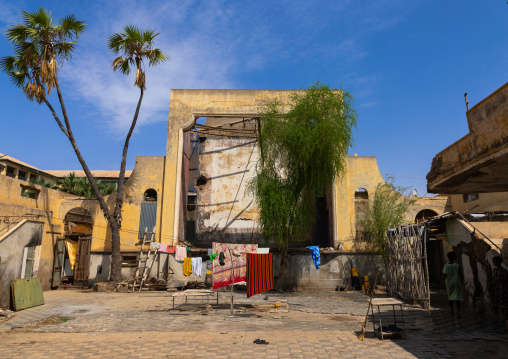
(195, 293)
(383, 302)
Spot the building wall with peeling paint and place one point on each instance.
(51, 206)
(363, 173)
(226, 211)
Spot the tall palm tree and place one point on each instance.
(135, 47)
(40, 45)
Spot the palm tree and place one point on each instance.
(40, 45)
(69, 183)
(135, 46)
(44, 183)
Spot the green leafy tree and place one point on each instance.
(41, 44)
(302, 151)
(389, 209)
(81, 186)
(44, 183)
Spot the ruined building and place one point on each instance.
(196, 194)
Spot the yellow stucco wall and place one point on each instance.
(53, 205)
(363, 172)
(495, 201)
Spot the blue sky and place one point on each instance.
(407, 63)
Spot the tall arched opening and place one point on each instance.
(74, 252)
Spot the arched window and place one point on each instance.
(150, 195)
(361, 193)
(424, 214)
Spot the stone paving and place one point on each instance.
(317, 325)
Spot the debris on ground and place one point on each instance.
(53, 320)
(5, 314)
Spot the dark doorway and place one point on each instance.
(435, 261)
(321, 238)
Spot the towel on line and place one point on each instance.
(197, 264)
(187, 266)
(180, 253)
(259, 273)
(316, 255)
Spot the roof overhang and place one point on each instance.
(478, 162)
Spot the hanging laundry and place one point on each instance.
(180, 253)
(196, 264)
(222, 257)
(234, 269)
(71, 247)
(166, 248)
(154, 246)
(316, 256)
(187, 266)
(259, 273)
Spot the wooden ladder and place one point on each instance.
(144, 256)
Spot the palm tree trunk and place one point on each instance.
(115, 230)
(119, 195)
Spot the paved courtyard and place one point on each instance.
(85, 324)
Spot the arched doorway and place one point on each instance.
(78, 230)
(435, 258)
(424, 214)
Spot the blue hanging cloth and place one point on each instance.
(316, 256)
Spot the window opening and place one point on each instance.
(10, 172)
(361, 193)
(470, 197)
(22, 175)
(28, 262)
(129, 260)
(150, 195)
(29, 192)
(191, 201)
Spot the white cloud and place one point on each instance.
(211, 42)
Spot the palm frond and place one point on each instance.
(12, 67)
(39, 18)
(134, 45)
(115, 43)
(132, 33)
(65, 49)
(17, 33)
(71, 27)
(122, 64)
(156, 56)
(147, 36)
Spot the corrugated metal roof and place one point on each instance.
(147, 217)
(95, 173)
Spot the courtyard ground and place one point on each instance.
(85, 324)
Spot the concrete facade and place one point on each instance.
(478, 162)
(224, 209)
